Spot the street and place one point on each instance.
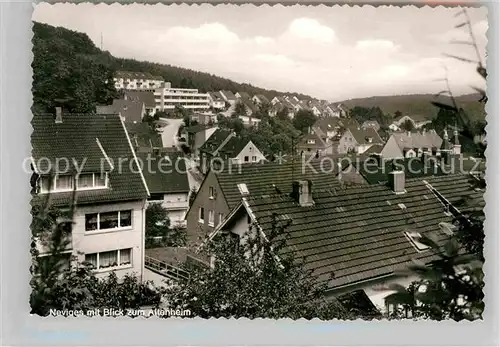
(169, 132)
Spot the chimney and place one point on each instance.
(302, 192)
(59, 115)
(397, 181)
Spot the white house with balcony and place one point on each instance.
(87, 160)
(167, 98)
(136, 81)
(168, 183)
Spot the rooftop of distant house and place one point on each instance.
(137, 75)
(165, 173)
(130, 109)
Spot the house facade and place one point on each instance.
(313, 144)
(412, 144)
(167, 179)
(218, 101)
(110, 201)
(196, 137)
(358, 140)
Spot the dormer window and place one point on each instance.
(92, 181)
(63, 183)
(311, 142)
(243, 189)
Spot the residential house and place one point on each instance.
(412, 144)
(167, 180)
(358, 140)
(243, 95)
(336, 110)
(196, 137)
(260, 99)
(371, 124)
(147, 97)
(218, 101)
(417, 122)
(136, 80)
(131, 110)
(250, 106)
(312, 143)
(329, 126)
(356, 238)
(101, 176)
(276, 100)
(222, 190)
(226, 148)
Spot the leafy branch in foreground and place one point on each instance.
(248, 280)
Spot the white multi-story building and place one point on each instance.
(137, 81)
(167, 98)
(100, 177)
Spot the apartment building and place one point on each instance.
(136, 80)
(88, 160)
(167, 98)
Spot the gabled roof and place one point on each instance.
(358, 234)
(262, 98)
(269, 177)
(234, 146)
(164, 175)
(215, 141)
(413, 168)
(90, 139)
(319, 143)
(328, 123)
(146, 97)
(370, 123)
(228, 95)
(244, 95)
(130, 109)
(429, 139)
(362, 136)
(141, 135)
(216, 96)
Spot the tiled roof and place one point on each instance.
(266, 178)
(228, 94)
(362, 135)
(147, 98)
(234, 146)
(318, 144)
(137, 75)
(374, 149)
(328, 123)
(244, 95)
(216, 96)
(262, 98)
(413, 167)
(418, 140)
(165, 175)
(370, 123)
(78, 137)
(357, 234)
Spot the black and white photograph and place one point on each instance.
(241, 161)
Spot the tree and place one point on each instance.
(239, 109)
(283, 113)
(408, 125)
(247, 280)
(304, 119)
(192, 196)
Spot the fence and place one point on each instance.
(166, 269)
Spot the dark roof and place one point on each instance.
(215, 141)
(265, 178)
(328, 123)
(234, 146)
(413, 167)
(357, 234)
(262, 98)
(319, 143)
(362, 135)
(374, 149)
(130, 110)
(228, 94)
(165, 174)
(244, 95)
(146, 97)
(79, 137)
(216, 96)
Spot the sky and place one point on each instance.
(333, 53)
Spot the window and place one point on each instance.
(108, 220)
(201, 215)
(311, 142)
(211, 218)
(414, 238)
(254, 159)
(246, 159)
(211, 192)
(110, 259)
(221, 218)
(92, 180)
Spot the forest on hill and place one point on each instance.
(69, 69)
